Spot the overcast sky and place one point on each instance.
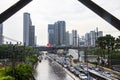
(44, 12)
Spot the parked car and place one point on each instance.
(83, 76)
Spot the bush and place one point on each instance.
(23, 71)
(32, 60)
(7, 78)
(8, 71)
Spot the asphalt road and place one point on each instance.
(48, 70)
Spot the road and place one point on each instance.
(48, 70)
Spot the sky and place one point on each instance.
(44, 12)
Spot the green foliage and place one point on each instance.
(7, 78)
(2, 72)
(23, 71)
(32, 60)
(115, 55)
(8, 71)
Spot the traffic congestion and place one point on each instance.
(82, 70)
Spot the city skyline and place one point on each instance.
(76, 15)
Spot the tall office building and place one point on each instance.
(56, 34)
(71, 39)
(93, 38)
(90, 38)
(60, 33)
(100, 33)
(82, 41)
(51, 34)
(74, 35)
(67, 38)
(1, 34)
(28, 30)
(87, 39)
(32, 36)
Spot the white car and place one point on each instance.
(83, 76)
(107, 74)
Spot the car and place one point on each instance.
(72, 69)
(76, 72)
(107, 74)
(82, 76)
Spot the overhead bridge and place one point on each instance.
(61, 47)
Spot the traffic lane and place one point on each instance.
(48, 70)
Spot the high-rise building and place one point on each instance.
(93, 38)
(71, 39)
(32, 36)
(60, 33)
(100, 34)
(87, 39)
(67, 38)
(28, 31)
(1, 34)
(74, 35)
(82, 41)
(56, 35)
(51, 34)
(90, 38)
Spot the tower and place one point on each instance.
(28, 30)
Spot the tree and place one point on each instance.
(110, 41)
(23, 71)
(101, 45)
(117, 43)
(106, 42)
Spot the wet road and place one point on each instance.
(47, 70)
